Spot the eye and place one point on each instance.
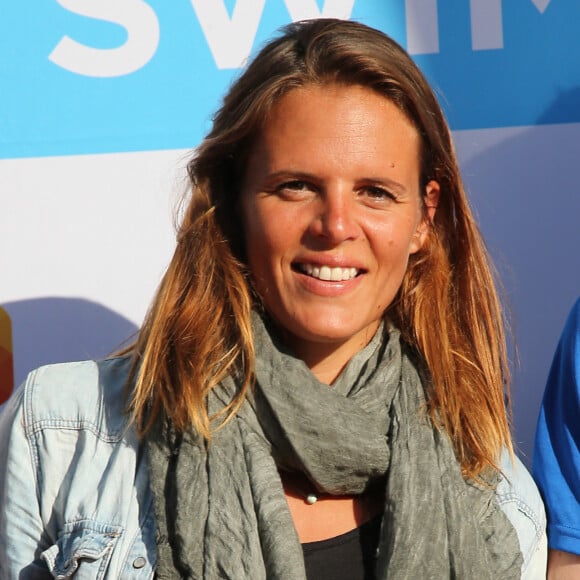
(376, 193)
(294, 189)
(295, 185)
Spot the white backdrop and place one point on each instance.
(94, 139)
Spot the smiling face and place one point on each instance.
(332, 208)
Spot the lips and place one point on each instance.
(328, 273)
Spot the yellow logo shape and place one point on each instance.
(6, 357)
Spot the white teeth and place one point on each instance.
(329, 274)
(326, 273)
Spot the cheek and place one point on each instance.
(261, 246)
(395, 241)
(269, 232)
(253, 225)
(392, 234)
(410, 233)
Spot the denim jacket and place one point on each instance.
(74, 482)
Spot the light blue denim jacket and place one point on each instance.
(74, 489)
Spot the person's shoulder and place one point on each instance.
(565, 371)
(572, 327)
(81, 394)
(519, 498)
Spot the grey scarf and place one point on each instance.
(221, 511)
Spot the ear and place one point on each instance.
(430, 202)
(431, 199)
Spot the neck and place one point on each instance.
(326, 360)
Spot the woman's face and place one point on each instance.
(332, 209)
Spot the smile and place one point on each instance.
(326, 273)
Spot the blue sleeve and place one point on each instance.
(556, 465)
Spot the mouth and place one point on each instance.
(327, 273)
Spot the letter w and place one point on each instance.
(308, 9)
(231, 39)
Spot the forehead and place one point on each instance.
(337, 124)
(324, 98)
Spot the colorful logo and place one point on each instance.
(6, 359)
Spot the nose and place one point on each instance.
(336, 217)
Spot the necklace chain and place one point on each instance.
(300, 486)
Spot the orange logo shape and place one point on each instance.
(6, 358)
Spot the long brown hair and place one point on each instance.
(198, 328)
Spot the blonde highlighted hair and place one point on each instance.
(198, 328)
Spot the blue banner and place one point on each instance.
(92, 76)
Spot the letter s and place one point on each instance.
(142, 26)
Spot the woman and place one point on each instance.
(318, 389)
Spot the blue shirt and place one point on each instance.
(557, 450)
(74, 484)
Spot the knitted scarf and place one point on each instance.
(220, 508)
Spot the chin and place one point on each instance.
(333, 332)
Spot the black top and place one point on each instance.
(350, 556)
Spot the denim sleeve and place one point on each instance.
(556, 464)
(520, 500)
(22, 537)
